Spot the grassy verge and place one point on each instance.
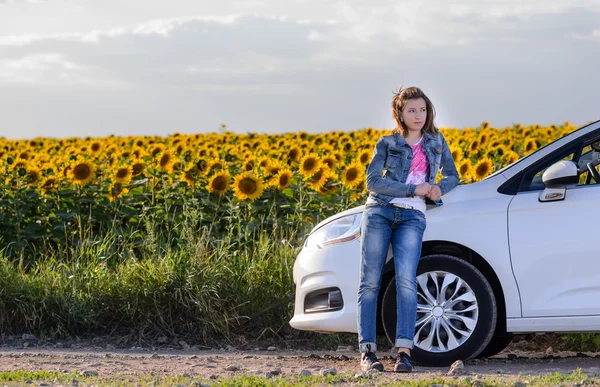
(576, 377)
(207, 290)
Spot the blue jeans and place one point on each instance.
(404, 228)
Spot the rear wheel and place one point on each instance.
(456, 311)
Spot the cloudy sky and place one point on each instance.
(126, 67)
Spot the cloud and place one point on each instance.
(181, 52)
(593, 36)
(48, 69)
(276, 73)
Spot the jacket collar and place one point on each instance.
(427, 138)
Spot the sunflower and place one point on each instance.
(530, 146)
(292, 155)
(364, 156)
(348, 146)
(49, 169)
(343, 139)
(264, 161)
(501, 150)
(318, 178)
(309, 165)
(483, 138)
(188, 177)
(116, 190)
(248, 165)
(283, 179)
(137, 168)
(33, 176)
(330, 161)
(330, 184)
(179, 149)
(464, 169)
(21, 168)
(474, 147)
(49, 184)
(21, 164)
(248, 186)
(302, 135)
(216, 165)
(219, 183)
(352, 175)
(177, 166)
(511, 156)
(457, 153)
(96, 147)
(482, 168)
(274, 168)
(158, 149)
(165, 161)
(82, 172)
(111, 161)
(201, 166)
(123, 174)
(138, 152)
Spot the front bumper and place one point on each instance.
(325, 271)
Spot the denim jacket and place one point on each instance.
(389, 167)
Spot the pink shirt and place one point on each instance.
(417, 174)
(419, 168)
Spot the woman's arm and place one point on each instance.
(379, 184)
(447, 168)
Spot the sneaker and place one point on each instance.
(368, 361)
(403, 363)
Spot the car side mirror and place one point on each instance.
(557, 178)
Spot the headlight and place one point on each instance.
(339, 231)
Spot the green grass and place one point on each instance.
(205, 290)
(577, 377)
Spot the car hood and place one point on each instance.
(459, 193)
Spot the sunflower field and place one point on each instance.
(186, 234)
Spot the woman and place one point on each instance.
(401, 175)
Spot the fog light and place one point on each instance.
(323, 300)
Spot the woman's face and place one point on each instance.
(415, 114)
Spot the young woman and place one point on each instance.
(401, 175)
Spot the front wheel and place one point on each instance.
(456, 311)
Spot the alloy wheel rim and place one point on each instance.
(447, 312)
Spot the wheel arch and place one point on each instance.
(462, 252)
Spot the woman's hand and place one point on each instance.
(423, 189)
(434, 193)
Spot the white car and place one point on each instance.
(514, 253)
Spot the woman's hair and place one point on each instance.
(398, 104)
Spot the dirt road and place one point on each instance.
(213, 364)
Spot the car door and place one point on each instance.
(553, 245)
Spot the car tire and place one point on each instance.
(496, 345)
(471, 303)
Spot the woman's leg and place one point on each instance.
(376, 232)
(407, 240)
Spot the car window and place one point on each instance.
(536, 182)
(590, 152)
